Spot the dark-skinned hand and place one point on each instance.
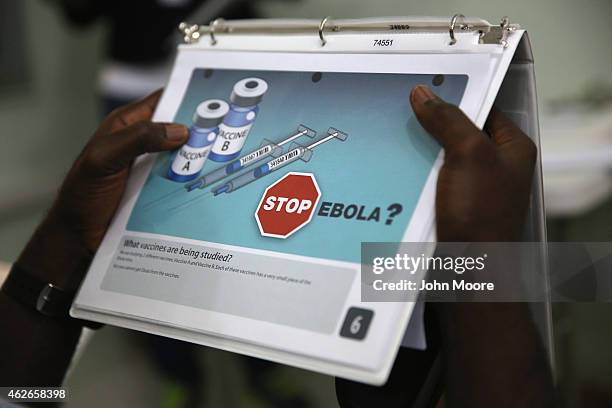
(492, 353)
(88, 199)
(484, 184)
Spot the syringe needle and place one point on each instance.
(151, 203)
(189, 202)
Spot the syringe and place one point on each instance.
(267, 149)
(300, 152)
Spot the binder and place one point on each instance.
(487, 32)
(500, 67)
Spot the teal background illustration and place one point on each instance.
(385, 160)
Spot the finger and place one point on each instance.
(444, 121)
(116, 152)
(502, 130)
(133, 112)
(513, 146)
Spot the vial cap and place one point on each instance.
(248, 91)
(210, 113)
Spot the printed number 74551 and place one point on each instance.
(383, 43)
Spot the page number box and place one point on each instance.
(356, 323)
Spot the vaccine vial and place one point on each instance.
(244, 106)
(191, 157)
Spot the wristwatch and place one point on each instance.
(41, 296)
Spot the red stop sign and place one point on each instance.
(287, 205)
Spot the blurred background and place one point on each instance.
(64, 63)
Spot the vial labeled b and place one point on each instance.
(244, 107)
(191, 157)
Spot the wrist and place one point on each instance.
(479, 318)
(56, 254)
(478, 234)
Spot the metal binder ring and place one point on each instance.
(322, 29)
(451, 28)
(503, 25)
(212, 27)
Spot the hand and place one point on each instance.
(484, 185)
(482, 196)
(62, 247)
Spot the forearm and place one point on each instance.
(34, 348)
(494, 356)
(37, 349)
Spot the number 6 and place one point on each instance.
(356, 324)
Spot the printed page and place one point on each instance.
(248, 238)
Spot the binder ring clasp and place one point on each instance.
(322, 30)
(451, 28)
(191, 32)
(212, 29)
(504, 26)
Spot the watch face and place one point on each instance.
(30, 291)
(53, 301)
(45, 299)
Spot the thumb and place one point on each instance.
(444, 121)
(117, 151)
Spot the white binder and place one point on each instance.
(499, 67)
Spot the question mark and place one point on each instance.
(393, 209)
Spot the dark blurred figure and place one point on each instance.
(142, 37)
(141, 42)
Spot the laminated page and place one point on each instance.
(248, 238)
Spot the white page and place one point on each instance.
(295, 324)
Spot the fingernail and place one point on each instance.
(174, 133)
(422, 94)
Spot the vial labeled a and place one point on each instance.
(244, 107)
(191, 157)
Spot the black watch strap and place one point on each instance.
(44, 297)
